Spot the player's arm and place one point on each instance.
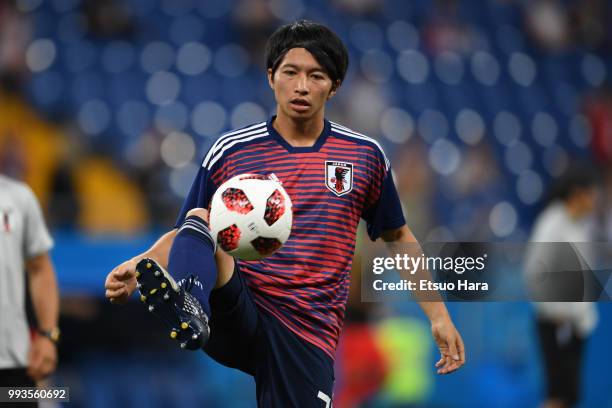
(45, 300)
(121, 281)
(446, 336)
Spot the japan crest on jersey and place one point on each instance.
(339, 177)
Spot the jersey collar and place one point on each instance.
(292, 149)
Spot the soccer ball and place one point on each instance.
(250, 216)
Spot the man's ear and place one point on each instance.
(334, 89)
(271, 78)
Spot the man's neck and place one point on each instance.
(299, 134)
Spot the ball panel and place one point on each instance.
(266, 246)
(236, 200)
(229, 238)
(275, 207)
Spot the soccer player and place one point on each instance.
(279, 318)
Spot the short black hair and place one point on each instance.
(326, 47)
(579, 175)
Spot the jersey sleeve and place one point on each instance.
(37, 239)
(384, 210)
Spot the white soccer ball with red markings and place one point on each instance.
(251, 216)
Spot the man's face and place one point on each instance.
(301, 86)
(583, 201)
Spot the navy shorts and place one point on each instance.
(288, 371)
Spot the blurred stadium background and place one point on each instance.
(106, 108)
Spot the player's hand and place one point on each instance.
(42, 358)
(450, 344)
(121, 282)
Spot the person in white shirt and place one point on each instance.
(24, 246)
(563, 327)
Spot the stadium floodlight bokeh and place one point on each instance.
(107, 107)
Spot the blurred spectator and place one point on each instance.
(255, 22)
(416, 184)
(63, 207)
(445, 32)
(360, 366)
(362, 103)
(150, 172)
(593, 23)
(359, 7)
(563, 326)
(547, 22)
(555, 25)
(404, 343)
(598, 109)
(108, 17)
(474, 189)
(15, 35)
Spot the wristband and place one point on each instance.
(54, 334)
